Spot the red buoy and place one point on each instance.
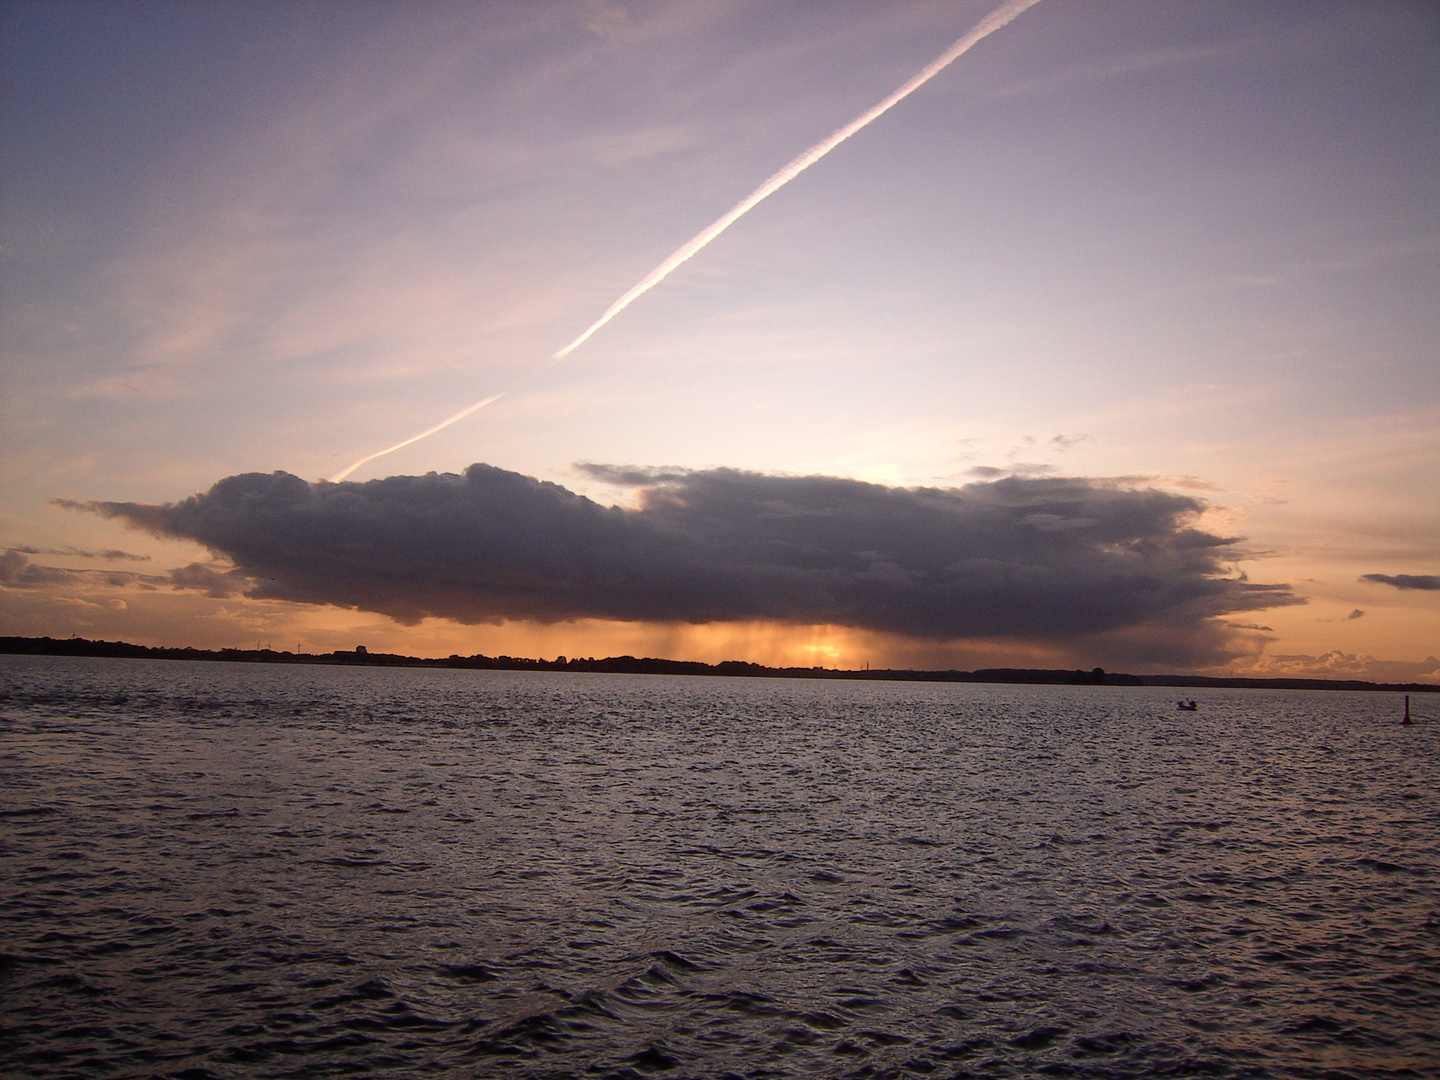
(1407, 719)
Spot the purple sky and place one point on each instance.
(1190, 244)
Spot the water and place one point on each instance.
(249, 871)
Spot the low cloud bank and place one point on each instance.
(1041, 558)
(1343, 665)
(1427, 582)
(17, 571)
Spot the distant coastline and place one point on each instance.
(631, 665)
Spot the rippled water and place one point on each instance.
(249, 871)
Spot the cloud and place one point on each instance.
(1427, 582)
(1042, 559)
(1018, 468)
(1342, 665)
(18, 572)
(110, 554)
(221, 584)
(1189, 483)
(1116, 67)
(605, 19)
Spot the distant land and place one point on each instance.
(631, 665)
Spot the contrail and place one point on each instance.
(416, 438)
(1001, 16)
(981, 30)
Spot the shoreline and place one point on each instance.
(631, 665)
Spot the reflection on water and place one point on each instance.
(246, 871)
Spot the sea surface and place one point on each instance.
(245, 871)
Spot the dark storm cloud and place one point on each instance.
(1427, 582)
(1034, 558)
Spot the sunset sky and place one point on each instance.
(1114, 344)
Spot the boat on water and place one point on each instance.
(1187, 706)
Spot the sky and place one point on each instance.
(1113, 344)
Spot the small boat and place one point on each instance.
(1187, 706)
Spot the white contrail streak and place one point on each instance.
(981, 30)
(1001, 16)
(416, 438)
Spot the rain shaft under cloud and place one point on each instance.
(1040, 559)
